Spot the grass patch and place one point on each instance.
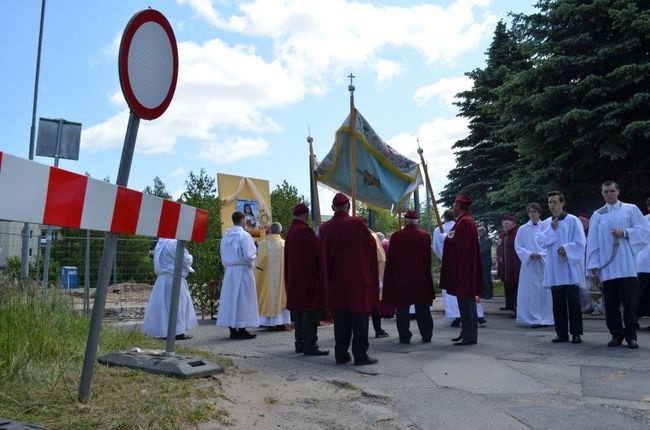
(42, 343)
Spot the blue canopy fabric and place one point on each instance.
(384, 178)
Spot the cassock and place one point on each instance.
(408, 277)
(303, 269)
(352, 271)
(508, 264)
(450, 301)
(600, 243)
(156, 315)
(238, 300)
(534, 303)
(569, 234)
(269, 280)
(461, 273)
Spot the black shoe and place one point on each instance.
(381, 333)
(243, 335)
(559, 339)
(455, 323)
(183, 336)
(535, 325)
(482, 321)
(505, 308)
(456, 339)
(426, 340)
(365, 361)
(576, 339)
(300, 349)
(632, 344)
(615, 341)
(465, 342)
(317, 352)
(405, 341)
(345, 359)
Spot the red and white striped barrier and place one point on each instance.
(36, 193)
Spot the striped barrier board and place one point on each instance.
(36, 193)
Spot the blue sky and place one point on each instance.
(254, 76)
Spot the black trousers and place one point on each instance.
(423, 318)
(567, 310)
(617, 291)
(644, 295)
(376, 319)
(350, 326)
(487, 282)
(468, 319)
(306, 334)
(510, 290)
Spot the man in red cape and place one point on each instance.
(353, 285)
(508, 263)
(408, 280)
(462, 273)
(304, 277)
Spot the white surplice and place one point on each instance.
(156, 315)
(600, 243)
(450, 301)
(238, 300)
(559, 270)
(534, 303)
(643, 257)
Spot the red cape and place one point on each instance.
(351, 264)
(304, 271)
(508, 263)
(462, 272)
(407, 279)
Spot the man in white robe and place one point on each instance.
(534, 302)
(238, 300)
(452, 312)
(269, 280)
(643, 271)
(156, 315)
(563, 240)
(621, 223)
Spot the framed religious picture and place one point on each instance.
(250, 208)
(250, 196)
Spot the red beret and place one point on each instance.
(340, 199)
(463, 199)
(411, 214)
(508, 218)
(300, 209)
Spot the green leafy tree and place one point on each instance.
(201, 192)
(283, 198)
(485, 158)
(158, 189)
(385, 221)
(580, 114)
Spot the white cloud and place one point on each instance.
(320, 38)
(445, 88)
(387, 70)
(233, 150)
(436, 139)
(179, 171)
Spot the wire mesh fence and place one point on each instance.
(74, 260)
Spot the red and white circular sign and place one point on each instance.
(148, 64)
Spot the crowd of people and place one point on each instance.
(552, 271)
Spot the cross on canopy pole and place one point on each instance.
(429, 188)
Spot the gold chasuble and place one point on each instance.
(269, 276)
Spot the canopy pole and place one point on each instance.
(353, 153)
(429, 188)
(313, 184)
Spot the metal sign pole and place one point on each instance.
(176, 289)
(48, 235)
(87, 273)
(105, 267)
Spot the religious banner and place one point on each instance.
(384, 178)
(248, 195)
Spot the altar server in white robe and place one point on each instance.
(238, 300)
(156, 315)
(617, 269)
(534, 302)
(452, 312)
(643, 271)
(563, 240)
